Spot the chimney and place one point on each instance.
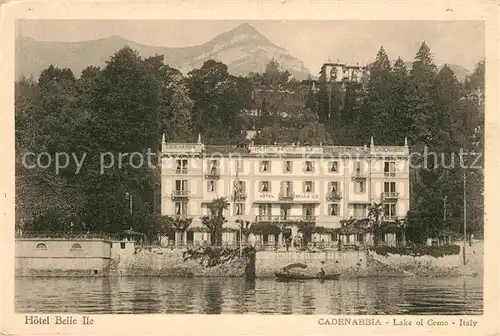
(163, 143)
(372, 146)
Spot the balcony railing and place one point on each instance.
(181, 216)
(285, 218)
(213, 173)
(181, 171)
(389, 174)
(239, 196)
(286, 195)
(390, 195)
(180, 193)
(333, 195)
(390, 218)
(359, 174)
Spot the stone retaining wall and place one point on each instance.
(170, 263)
(349, 263)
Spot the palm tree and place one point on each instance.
(375, 212)
(216, 220)
(167, 224)
(180, 225)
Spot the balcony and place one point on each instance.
(181, 171)
(239, 196)
(212, 173)
(391, 218)
(286, 195)
(181, 216)
(390, 195)
(284, 218)
(389, 174)
(180, 194)
(333, 196)
(359, 174)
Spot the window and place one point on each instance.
(76, 246)
(181, 166)
(239, 209)
(390, 187)
(41, 246)
(288, 166)
(240, 186)
(333, 167)
(181, 185)
(265, 166)
(284, 211)
(333, 187)
(180, 209)
(122, 246)
(264, 209)
(390, 210)
(212, 186)
(359, 186)
(389, 168)
(265, 186)
(358, 167)
(334, 236)
(361, 238)
(308, 210)
(214, 166)
(308, 186)
(309, 166)
(286, 187)
(333, 209)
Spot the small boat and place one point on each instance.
(284, 275)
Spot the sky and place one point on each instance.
(313, 42)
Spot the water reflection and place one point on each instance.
(238, 296)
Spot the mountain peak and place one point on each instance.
(245, 28)
(243, 49)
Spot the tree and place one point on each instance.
(476, 80)
(216, 220)
(247, 228)
(422, 97)
(374, 113)
(307, 229)
(180, 225)
(219, 98)
(375, 212)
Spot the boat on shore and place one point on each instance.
(285, 275)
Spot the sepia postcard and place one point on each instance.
(198, 168)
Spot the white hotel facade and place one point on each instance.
(322, 184)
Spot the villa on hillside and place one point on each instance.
(331, 187)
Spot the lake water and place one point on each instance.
(237, 296)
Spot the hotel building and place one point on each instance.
(322, 184)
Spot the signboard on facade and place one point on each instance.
(307, 196)
(285, 150)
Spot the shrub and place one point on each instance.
(419, 250)
(211, 256)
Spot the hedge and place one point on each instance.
(419, 250)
